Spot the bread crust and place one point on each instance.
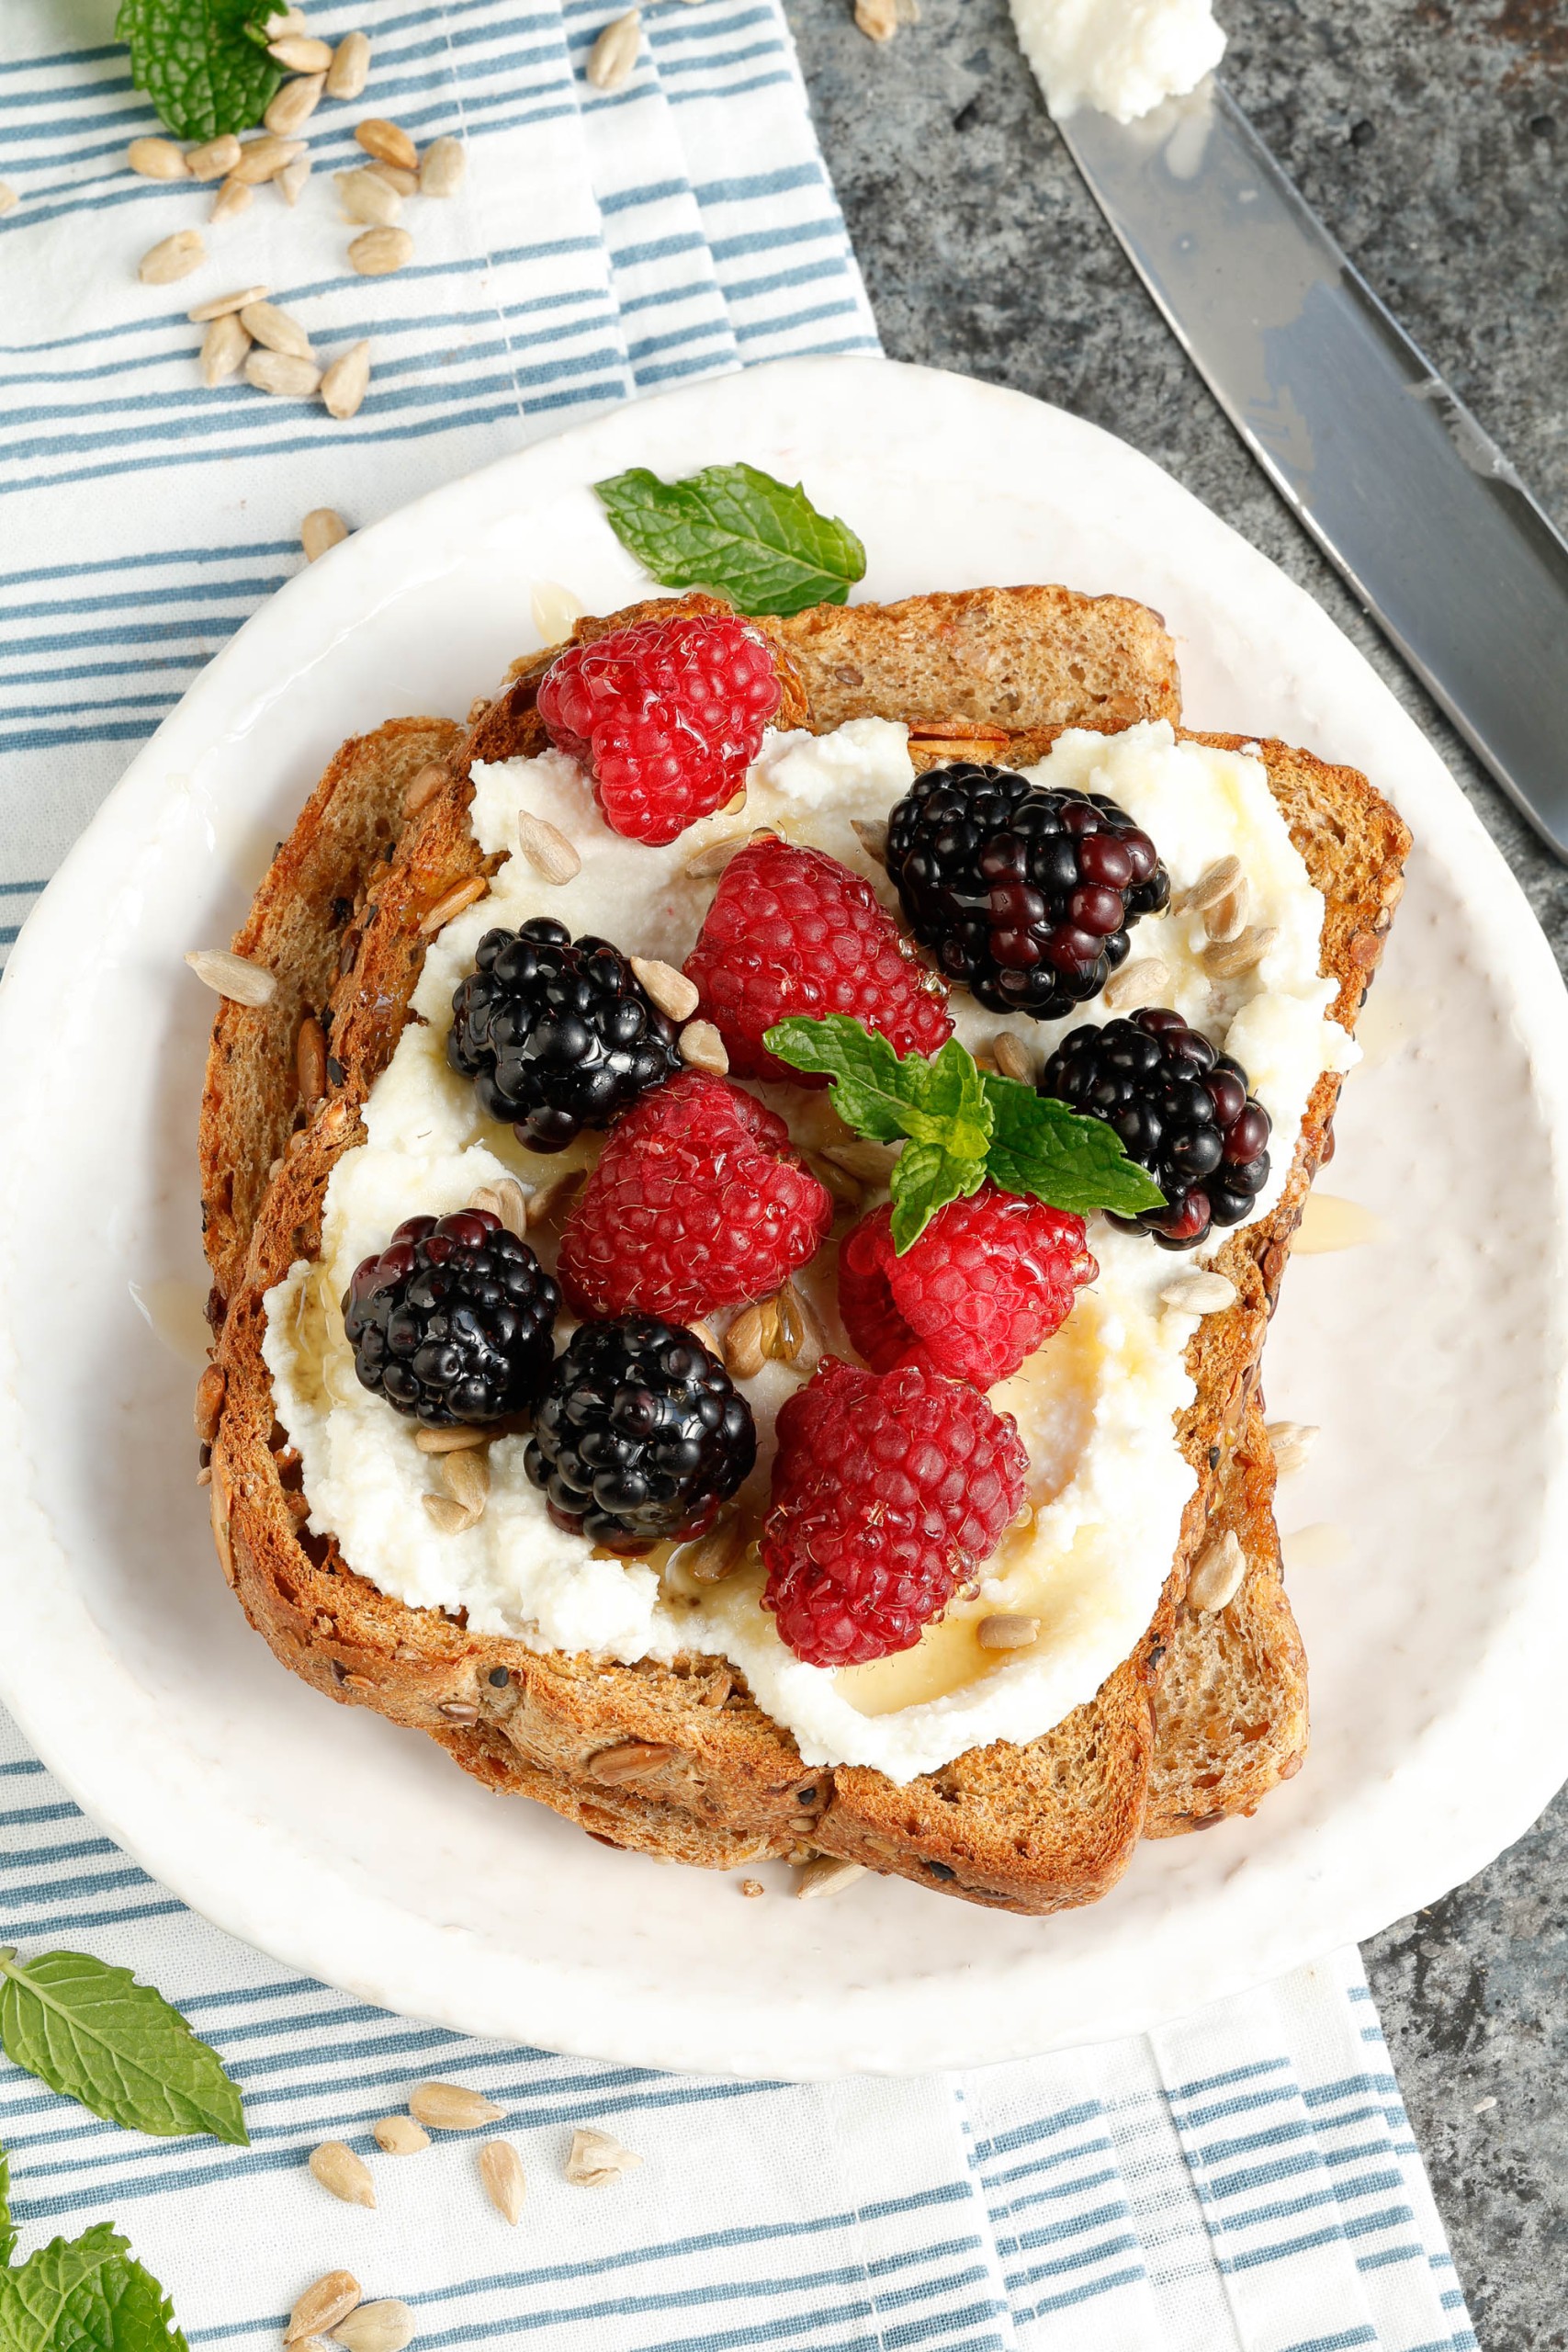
(1029, 1827)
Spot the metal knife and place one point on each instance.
(1388, 469)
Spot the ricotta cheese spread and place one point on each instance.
(1095, 1407)
(1117, 57)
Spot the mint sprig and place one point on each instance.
(962, 1125)
(202, 62)
(85, 2294)
(7, 2233)
(737, 531)
(92, 2033)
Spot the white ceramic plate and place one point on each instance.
(1435, 1619)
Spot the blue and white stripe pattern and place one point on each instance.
(1245, 2181)
(603, 244)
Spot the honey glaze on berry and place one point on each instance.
(1094, 1406)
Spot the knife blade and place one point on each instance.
(1396, 481)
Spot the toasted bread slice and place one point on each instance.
(678, 1759)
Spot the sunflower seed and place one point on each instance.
(506, 1200)
(1230, 960)
(1011, 1057)
(1216, 1579)
(376, 2327)
(157, 158)
(500, 2174)
(323, 528)
(872, 834)
(400, 2135)
(380, 252)
(321, 2306)
(224, 304)
(426, 783)
(447, 1518)
(441, 167)
(554, 610)
(743, 1344)
(281, 372)
(347, 380)
(1199, 1294)
(752, 1888)
(233, 976)
(715, 856)
(703, 1332)
(214, 158)
(295, 104)
(790, 1329)
(366, 199)
(342, 2174)
(394, 175)
(1226, 919)
(548, 851)
(701, 1047)
(595, 2159)
(262, 159)
(459, 1711)
(1292, 1442)
(452, 903)
(175, 256)
(671, 990)
(387, 142)
(210, 1394)
(449, 1441)
(285, 20)
(467, 1473)
(629, 1759)
(275, 330)
(448, 2106)
(311, 1060)
(350, 68)
(300, 53)
(1136, 984)
(612, 61)
(550, 1200)
(291, 181)
(233, 197)
(837, 1179)
(713, 1557)
(871, 1162)
(9, 200)
(1214, 884)
(1007, 1633)
(223, 349)
(824, 1874)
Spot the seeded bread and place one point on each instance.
(681, 1760)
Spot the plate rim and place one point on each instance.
(320, 1937)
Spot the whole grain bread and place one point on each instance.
(680, 1761)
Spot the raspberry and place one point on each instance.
(667, 716)
(792, 932)
(990, 1280)
(698, 1201)
(889, 1490)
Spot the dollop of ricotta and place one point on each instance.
(1096, 1407)
(1117, 57)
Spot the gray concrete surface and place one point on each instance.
(1432, 135)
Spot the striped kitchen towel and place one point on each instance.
(1243, 2181)
(603, 244)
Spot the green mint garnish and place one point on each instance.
(202, 62)
(7, 2234)
(92, 2033)
(962, 1125)
(736, 531)
(85, 2294)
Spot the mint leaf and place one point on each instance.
(91, 2033)
(7, 2234)
(925, 1178)
(85, 2294)
(202, 62)
(871, 1091)
(952, 1109)
(737, 531)
(1039, 1146)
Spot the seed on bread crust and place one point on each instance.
(1199, 1294)
(450, 2107)
(400, 2135)
(321, 2306)
(1216, 1579)
(343, 2174)
(424, 787)
(548, 851)
(210, 1390)
(629, 1759)
(233, 976)
(452, 903)
(825, 1874)
(310, 1061)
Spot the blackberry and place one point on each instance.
(453, 1321)
(1181, 1110)
(556, 1033)
(640, 1433)
(1026, 895)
